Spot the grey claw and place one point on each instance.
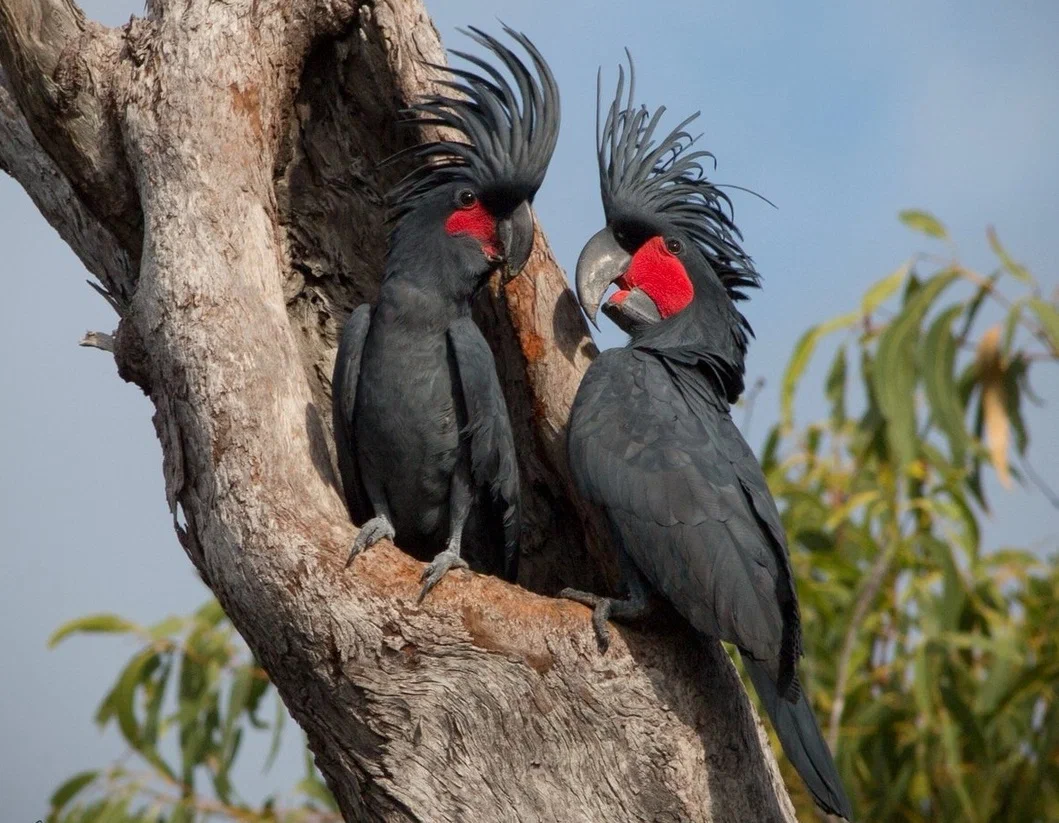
(584, 598)
(438, 568)
(371, 533)
(600, 613)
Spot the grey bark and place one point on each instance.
(215, 166)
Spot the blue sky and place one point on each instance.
(841, 114)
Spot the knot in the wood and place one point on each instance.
(70, 75)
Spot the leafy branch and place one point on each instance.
(933, 659)
(218, 691)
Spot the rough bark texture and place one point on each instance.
(216, 168)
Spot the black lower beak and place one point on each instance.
(602, 261)
(635, 312)
(516, 239)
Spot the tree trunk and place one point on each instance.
(215, 166)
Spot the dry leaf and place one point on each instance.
(997, 425)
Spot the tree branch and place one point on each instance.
(60, 68)
(98, 340)
(24, 159)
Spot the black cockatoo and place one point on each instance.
(422, 432)
(651, 437)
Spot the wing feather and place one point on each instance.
(688, 500)
(343, 398)
(488, 430)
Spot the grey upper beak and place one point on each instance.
(602, 261)
(516, 237)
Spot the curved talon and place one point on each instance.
(438, 568)
(584, 598)
(371, 533)
(601, 607)
(600, 616)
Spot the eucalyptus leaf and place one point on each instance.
(1048, 315)
(895, 375)
(938, 359)
(93, 624)
(69, 788)
(925, 222)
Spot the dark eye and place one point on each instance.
(466, 198)
(674, 246)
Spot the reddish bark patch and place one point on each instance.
(247, 101)
(533, 346)
(485, 635)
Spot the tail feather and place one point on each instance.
(802, 742)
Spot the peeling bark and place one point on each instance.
(217, 168)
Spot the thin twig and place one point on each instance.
(140, 783)
(990, 288)
(748, 402)
(867, 595)
(1038, 481)
(167, 644)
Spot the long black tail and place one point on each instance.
(802, 742)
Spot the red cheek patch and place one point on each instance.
(661, 276)
(477, 222)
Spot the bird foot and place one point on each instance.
(371, 533)
(600, 606)
(438, 568)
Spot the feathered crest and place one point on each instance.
(509, 137)
(641, 177)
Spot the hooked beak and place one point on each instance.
(515, 234)
(602, 261)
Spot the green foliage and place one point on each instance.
(934, 663)
(924, 222)
(183, 704)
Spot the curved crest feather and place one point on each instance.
(509, 130)
(643, 175)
